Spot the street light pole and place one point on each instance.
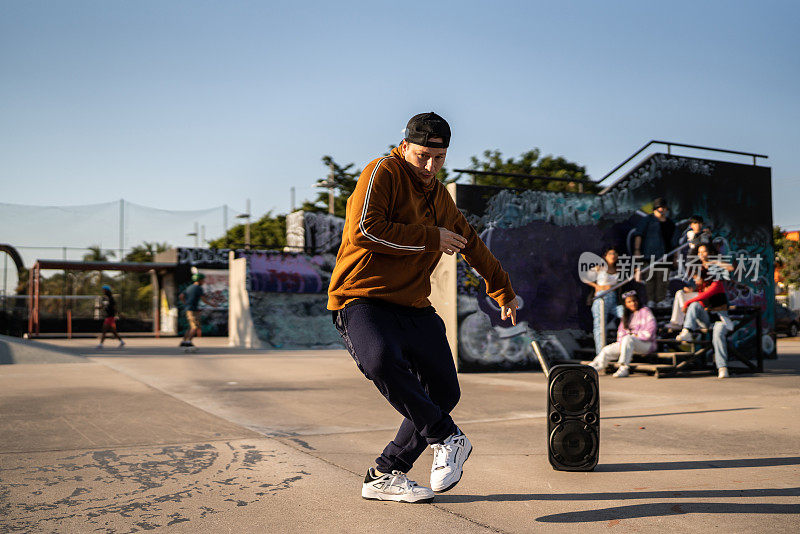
(329, 183)
(246, 226)
(194, 234)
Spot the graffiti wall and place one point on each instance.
(287, 291)
(213, 263)
(288, 298)
(313, 233)
(539, 236)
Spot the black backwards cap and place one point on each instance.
(426, 126)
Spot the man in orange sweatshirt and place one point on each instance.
(400, 219)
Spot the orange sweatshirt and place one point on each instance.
(390, 244)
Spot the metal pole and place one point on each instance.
(247, 228)
(225, 219)
(203, 234)
(330, 191)
(64, 257)
(36, 304)
(5, 281)
(121, 248)
(196, 235)
(30, 301)
(292, 198)
(121, 227)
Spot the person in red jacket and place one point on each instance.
(711, 298)
(400, 220)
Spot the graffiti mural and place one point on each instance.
(288, 298)
(210, 258)
(313, 233)
(213, 306)
(539, 235)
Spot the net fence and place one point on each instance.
(114, 229)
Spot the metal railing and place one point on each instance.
(669, 145)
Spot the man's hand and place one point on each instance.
(450, 242)
(509, 311)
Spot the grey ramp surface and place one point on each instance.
(17, 350)
(691, 454)
(88, 449)
(243, 486)
(70, 407)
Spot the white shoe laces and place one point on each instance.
(401, 480)
(441, 455)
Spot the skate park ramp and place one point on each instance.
(16, 350)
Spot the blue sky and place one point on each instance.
(189, 105)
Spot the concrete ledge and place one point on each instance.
(16, 350)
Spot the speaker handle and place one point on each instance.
(540, 356)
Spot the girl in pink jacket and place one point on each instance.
(636, 334)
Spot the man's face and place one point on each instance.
(696, 226)
(661, 212)
(425, 161)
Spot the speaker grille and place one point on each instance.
(573, 392)
(573, 443)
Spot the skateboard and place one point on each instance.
(189, 349)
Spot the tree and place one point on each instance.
(146, 252)
(267, 233)
(530, 163)
(136, 289)
(787, 257)
(97, 254)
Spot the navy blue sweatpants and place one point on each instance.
(405, 353)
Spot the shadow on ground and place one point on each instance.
(667, 509)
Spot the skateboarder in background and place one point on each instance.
(400, 219)
(190, 297)
(109, 321)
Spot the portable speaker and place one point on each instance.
(573, 417)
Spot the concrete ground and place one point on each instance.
(149, 438)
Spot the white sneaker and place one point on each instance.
(622, 372)
(393, 487)
(685, 335)
(121, 343)
(723, 373)
(597, 366)
(448, 461)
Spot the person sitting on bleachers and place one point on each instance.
(636, 334)
(696, 234)
(711, 298)
(682, 296)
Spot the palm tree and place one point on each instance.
(97, 254)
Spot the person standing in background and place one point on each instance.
(655, 236)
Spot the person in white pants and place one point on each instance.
(678, 315)
(636, 334)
